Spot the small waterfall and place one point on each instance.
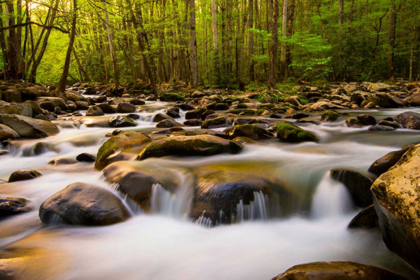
(255, 210)
(331, 199)
(176, 204)
(132, 207)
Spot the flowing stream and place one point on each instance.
(167, 244)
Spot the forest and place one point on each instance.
(220, 43)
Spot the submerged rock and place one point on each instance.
(12, 206)
(23, 175)
(83, 204)
(85, 157)
(384, 163)
(200, 145)
(288, 132)
(337, 270)
(353, 122)
(28, 127)
(122, 141)
(396, 196)
(126, 108)
(357, 184)
(365, 219)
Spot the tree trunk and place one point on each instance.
(283, 43)
(391, 38)
(12, 44)
(251, 41)
(61, 87)
(193, 45)
(111, 49)
(272, 64)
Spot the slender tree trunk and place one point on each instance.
(61, 87)
(283, 43)
(193, 45)
(391, 38)
(81, 69)
(290, 32)
(12, 44)
(3, 44)
(111, 49)
(413, 40)
(251, 41)
(272, 64)
(215, 42)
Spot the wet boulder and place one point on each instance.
(49, 103)
(62, 161)
(215, 122)
(193, 122)
(83, 204)
(409, 120)
(107, 108)
(160, 117)
(329, 116)
(251, 131)
(195, 114)
(94, 110)
(365, 219)
(396, 196)
(123, 141)
(353, 122)
(389, 123)
(383, 100)
(366, 119)
(28, 127)
(200, 145)
(11, 206)
(125, 107)
(82, 105)
(384, 163)
(173, 112)
(74, 96)
(291, 133)
(167, 123)
(357, 184)
(121, 121)
(16, 109)
(12, 95)
(337, 270)
(414, 99)
(23, 175)
(85, 157)
(7, 133)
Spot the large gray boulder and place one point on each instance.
(28, 127)
(83, 204)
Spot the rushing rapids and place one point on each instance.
(167, 242)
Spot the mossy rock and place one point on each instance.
(251, 131)
(330, 116)
(288, 132)
(195, 114)
(200, 145)
(124, 140)
(171, 96)
(215, 123)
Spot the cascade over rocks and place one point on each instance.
(396, 196)
(200, 145)
(136, 179)
(83, 204)
(357, 184)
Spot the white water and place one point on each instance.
(166, 244)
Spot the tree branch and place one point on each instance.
(35, 23)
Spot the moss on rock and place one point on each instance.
(288, 132)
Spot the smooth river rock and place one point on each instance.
(28, 127)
